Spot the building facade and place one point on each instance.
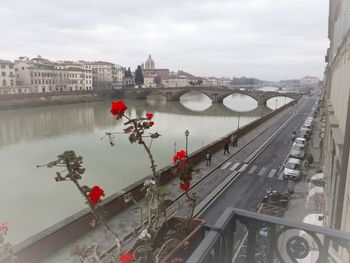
(153, 77)
(117, 76)
(102, 75)
(336, 118)
(7, 77)
(42, 75)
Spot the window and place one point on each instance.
(22, 68)
(3, 73)
(4, 82)
(11, 83)
(11, 66)
(2, 66)
(16, 69)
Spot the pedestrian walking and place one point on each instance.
(235, 140)
(309, 158)
(208, 158)
(226, 148)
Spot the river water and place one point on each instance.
(31, 200)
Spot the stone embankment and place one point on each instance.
(17, 101)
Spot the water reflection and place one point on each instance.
(240, 102)
(195, 101)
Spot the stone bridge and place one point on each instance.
(216, 94)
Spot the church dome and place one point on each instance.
(149, 64)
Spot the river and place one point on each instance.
(31, 200)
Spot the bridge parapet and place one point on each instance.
(216, 94)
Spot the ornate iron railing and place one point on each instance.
(244, 236)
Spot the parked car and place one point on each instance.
(292, 169)
(301, 141)
(294, 135)
(297, 151)
(305, 132)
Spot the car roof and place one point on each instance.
(294, 160)
(300, 139)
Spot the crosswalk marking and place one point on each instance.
(226, 165)
(272, 173)
(243, 167)
(280, 176)
(252, 169)
(234, 166)
(262, 171)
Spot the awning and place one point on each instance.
(314, 200)
(318, 179)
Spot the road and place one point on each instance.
(253, 173)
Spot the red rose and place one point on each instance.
(126, 257)
(151, 123)
(185, 186)
(95, 194)
(149, 116)
(118, 108)
(179, 155)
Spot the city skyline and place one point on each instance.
(212, 38)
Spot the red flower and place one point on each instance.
(185, 186)
(95, 194)
(151, 123)
(179, 155)
(149, 116)
(118, 108)
(181, 164)
(126, 257)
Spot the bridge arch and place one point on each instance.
(144, 94)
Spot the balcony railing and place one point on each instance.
(267, 239)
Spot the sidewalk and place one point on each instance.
(296, 210)
(129, 219)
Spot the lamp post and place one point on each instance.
(276, 105)
(187, 133)
(238, 122)
(174, 148)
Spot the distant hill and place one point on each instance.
(245, 81)
(185, 74)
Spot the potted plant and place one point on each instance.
(160, 238)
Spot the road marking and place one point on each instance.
(262, 171)
(234, 166)
(272, 173)
(243, 167)
(252, 169)
(226, 165)
(280, 176)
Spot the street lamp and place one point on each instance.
(276, 105)
(238, 122)
(187, 133)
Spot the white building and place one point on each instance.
(102, 75)
(43, 75)
(174, 82)
(117, 76)
(7, 77)
(309, 81)
(336, 117)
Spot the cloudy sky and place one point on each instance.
(268, 39)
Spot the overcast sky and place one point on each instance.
(267, 39)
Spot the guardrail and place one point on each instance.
(282, 240)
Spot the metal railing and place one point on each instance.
(269, 239)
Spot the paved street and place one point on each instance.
(265, 170)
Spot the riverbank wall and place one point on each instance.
(18, 101)
(51, 239)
